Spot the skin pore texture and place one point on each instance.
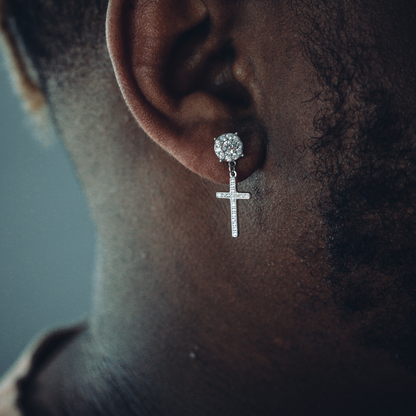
(310, 310)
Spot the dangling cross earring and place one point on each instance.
(228, 147)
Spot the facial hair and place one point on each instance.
(364, 147)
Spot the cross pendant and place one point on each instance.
(233, 195)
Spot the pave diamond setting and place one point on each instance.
(228, 147)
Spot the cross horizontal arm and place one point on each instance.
(242, 196)
(223, 195)
(236, 195)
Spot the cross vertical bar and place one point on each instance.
(233, 202)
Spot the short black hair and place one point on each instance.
(49, 29)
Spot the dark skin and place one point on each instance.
(197, 322)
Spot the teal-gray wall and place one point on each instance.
(46, 236)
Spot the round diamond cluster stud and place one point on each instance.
(228, 147)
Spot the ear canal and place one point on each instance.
(174, 64)
(191, 70)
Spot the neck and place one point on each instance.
(187, 320)
(183, 325)
(183, 328)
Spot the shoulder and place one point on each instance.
(15, 381)
(8, 386)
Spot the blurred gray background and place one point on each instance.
(46, 236)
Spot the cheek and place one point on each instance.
(281, 82)
(287, 111)
(287, 107)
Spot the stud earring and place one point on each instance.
(229, 147)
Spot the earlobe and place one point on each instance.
(174, 62)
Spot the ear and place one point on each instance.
(175, 63)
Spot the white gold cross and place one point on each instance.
(233, 195)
